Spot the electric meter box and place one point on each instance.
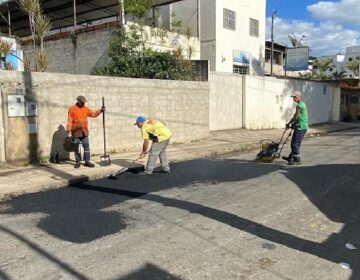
(31, 109)
(16, 106)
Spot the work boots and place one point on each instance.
(89, 164)
(294, 161)
(286, 158)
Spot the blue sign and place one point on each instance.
(241, 57)
(297, 59)
(12, 59)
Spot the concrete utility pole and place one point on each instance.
(74, 15)
(198, 19)
(9, 19)
(122, 15)
(272, 42)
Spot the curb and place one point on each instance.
(210, 153)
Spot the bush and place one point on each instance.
(130, 58)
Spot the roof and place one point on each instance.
(276, 46)
(60, 13)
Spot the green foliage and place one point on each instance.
(354, 67)
(131, 54)
(306, 76)
(138, 8)
(130, 61)
(322, 65)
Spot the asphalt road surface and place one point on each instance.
(222, 218)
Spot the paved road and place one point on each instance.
(223, 218)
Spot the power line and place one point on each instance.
(280, 2)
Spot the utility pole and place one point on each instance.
(285, 59)
(272, 42)
(9, 18)
(122, 13)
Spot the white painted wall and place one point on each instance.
(229, 40)
(269, 103)
(225, 108)
(92, 50)
(2, 132)
(208, 32)
(336, 103)
(171, 42)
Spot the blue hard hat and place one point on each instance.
(139, 119)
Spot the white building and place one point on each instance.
(351, 54)
(232, 35)
(231, 32)
(340, 61)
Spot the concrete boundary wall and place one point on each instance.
(226, 101)
(91, 48)
(2, 131)
(184, 106)
(269, 103)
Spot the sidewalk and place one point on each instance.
(19, 180)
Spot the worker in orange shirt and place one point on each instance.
(77, 126)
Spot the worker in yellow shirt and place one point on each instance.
(159, 134)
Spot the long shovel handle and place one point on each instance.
(126, 167)
(104, 132)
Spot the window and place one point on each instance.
(241, 70)
(254, 27)
(229, 19)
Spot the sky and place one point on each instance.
(329, 26)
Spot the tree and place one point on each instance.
(306, 76)
(131, 50)
(322, 65)
(39, 26)
(353, 66)
(128, 61)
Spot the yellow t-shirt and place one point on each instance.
(155, 131)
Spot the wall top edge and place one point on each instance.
(39, 78)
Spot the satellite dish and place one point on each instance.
(295, 42)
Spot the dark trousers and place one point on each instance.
(298, 135)
(85, 143)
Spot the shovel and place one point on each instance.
(124, 169)
(105, 158)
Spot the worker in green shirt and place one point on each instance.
(156, 132)
(299, 123)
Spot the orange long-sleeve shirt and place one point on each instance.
(77, 120)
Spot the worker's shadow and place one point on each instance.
(57, 151)
(79, 214)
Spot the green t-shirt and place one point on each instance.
(302, 120)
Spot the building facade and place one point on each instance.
(232, 35)
(340, 62)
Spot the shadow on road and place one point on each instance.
(149, 272)
(4, 276)
(65, 267)
(76, 214)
